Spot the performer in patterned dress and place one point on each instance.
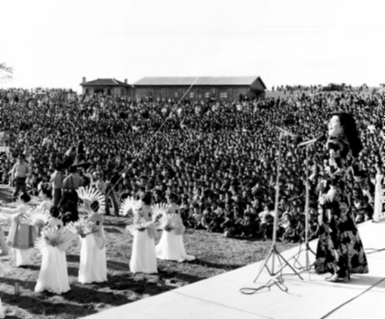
(340, 250)
(21, 237)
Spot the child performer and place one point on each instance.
(171, 246)
(21, 237)
(93, 263)
(143, 258)
(53, 274)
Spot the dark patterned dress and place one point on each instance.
(339, 249)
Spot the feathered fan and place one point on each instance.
(140, 224)
(171, 222)
(36, 217)
(92, 195)
(158, 211)
(52, 236)
(82, 227)
(128, 206)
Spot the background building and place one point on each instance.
(106, 87)
(220, 88)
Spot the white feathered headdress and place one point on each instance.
(159, 210)
(128, 206)
(92, 195)
(54, 237)
(36, 217)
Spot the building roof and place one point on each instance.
(205, 80)
(105, 82)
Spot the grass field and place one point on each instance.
(215, 255)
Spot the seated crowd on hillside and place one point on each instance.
(219, 158)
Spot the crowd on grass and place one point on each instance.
(218, 157)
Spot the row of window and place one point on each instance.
(222, 95)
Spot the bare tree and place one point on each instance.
(5, 72)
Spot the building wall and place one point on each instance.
(257, 85)
(141, 91)
(108, 90)
(226, 93)
(221, 93)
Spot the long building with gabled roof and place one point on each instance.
(226, 88)
(220, 88)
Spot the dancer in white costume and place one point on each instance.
(21, 237)
(45, 195)
(93, 262)
(171, 246)
(53, 274)
(143, 258)
(46, 204)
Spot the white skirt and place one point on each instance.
(2, 315)
(143, 258)
(171, 247)
(22, 256)
(3, 244)
(53, 274)
(93, 263)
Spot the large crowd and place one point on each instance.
(219, 158)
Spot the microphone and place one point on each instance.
(285, 132)
(296, 139)
(312, 141)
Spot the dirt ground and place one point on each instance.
(215, 255)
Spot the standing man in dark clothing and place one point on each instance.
(68, 205)
(71, 183)
(19, 175)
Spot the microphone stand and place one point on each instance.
(306, 247)
(274, 254)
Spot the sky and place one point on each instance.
(54, 43)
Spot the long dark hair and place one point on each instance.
(147, 198)
(349, 127)
(46, 191)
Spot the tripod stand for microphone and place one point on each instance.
(274, 254)
(305, 246)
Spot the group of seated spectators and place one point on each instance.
(218, 157)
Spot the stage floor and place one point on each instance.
(312, 297)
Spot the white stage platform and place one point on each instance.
(313, 297)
